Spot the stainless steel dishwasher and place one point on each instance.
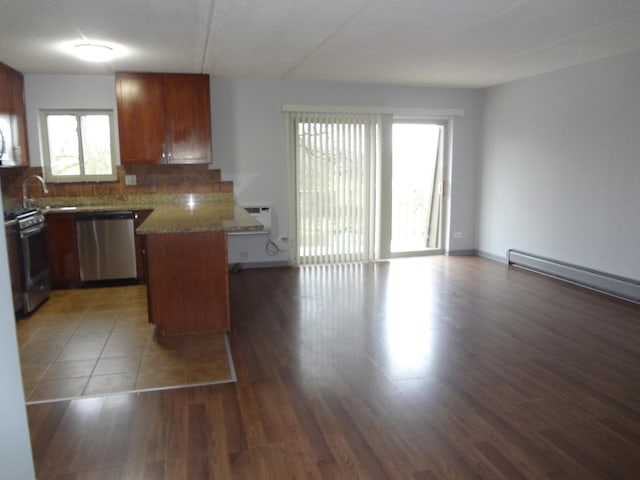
(106, 246)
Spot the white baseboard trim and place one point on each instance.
(243, 266)
(621, 287)
(459, 253)
(491, 256)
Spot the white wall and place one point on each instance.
(249, 143)
(560, 168)
(15, 447)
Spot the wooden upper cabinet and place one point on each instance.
(140, 117)
(163, 118)
(5, 90)
(19, 120)
(13, 123)
(189, 117)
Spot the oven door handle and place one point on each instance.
(31, 230)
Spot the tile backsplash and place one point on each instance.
(150, 179)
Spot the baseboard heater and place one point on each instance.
(621, 287)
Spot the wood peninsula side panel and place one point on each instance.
(187, 282)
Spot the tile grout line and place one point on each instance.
(75, 320)
(97, 360)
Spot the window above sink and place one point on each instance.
(78, 145)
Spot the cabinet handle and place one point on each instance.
(164, 154)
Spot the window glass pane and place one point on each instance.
(96, 144)
(63, 145)
(416, 201)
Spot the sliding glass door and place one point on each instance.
(366, 187)
(416, 188)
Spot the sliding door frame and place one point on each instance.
(386, 174)
(388, 115)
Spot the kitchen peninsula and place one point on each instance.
(186, 264)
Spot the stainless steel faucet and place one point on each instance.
(26, 200)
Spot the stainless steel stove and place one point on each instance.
(14, 213)
(34, 259)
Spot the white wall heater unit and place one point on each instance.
(621, 287)
(261, 213)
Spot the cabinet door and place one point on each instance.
(188, 117)
(63, 250)
(141, 245)
(5, 116)
(18, 120)
(13, 127)
(140, 118)
(5, 90)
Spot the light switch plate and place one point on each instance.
(130, 180)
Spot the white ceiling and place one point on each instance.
(465, 43)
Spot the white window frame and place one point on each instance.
(44, 143)
(386, 220)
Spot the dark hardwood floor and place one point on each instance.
(421, 369)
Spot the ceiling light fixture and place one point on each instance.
(92, 52)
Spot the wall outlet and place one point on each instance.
(457, 234)
(130, 180)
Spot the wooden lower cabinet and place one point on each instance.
(139, 217)
(62, 243)
(187, 282)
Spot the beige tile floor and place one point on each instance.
(97, 341)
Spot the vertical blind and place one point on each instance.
(335, 158)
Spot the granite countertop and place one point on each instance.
(199, 217)
(127, 202)
(181, 213)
